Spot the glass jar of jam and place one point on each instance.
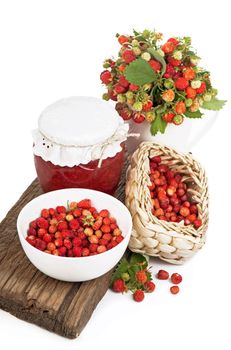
(79, 143)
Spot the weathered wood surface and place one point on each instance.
(60, 307)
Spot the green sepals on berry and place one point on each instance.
(134, 272)
(158, 125)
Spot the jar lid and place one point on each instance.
(78, 121)
(78, 130)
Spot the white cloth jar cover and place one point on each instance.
(78, 130)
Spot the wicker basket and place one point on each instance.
(170, 241)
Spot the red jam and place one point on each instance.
(105, 178)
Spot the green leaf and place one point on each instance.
(158, 125)
(196, 114)
(121, 268)
(214, 104)
(140, 259)
(139, 72)
(159, 58)
(135, 32)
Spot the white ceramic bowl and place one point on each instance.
(82, 268)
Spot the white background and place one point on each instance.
(53, 49)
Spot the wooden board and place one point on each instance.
(60, 307)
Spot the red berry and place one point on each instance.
(63, 225)
(122, 39)
(168, 117)
(74, 224)
(133, 87)
(60, 209)
(189, 73)
(138, 118)
(101, 249)
(181, 83)
(128, 56)
(42, 223)
(112, 95)
(193, 209)
(84, 204)
(197, 223)
(123, 81)
(192, 218)
(202, 88)
(119, 89)
(141, 277)
(76, 242)
(104, 213)
(186, 204)
(176, 278)
(149, 286)
(106, 77)
(62, 251)
(45, 213)
(77, 251)
(168, 47)
(85, 252)
(174, 289)
(138, 296)
(119, 286)
(156, 66)
(174, 41)
(173, 61)
(184, 211)
(162, 275)
(147, 106)
(190, 92)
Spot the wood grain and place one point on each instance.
(60, 307)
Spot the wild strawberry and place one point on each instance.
(181, 84)
(168, 95)
(197, 223)
(176, 278)
(174, 289)
(77, 251)
(184, 211)
(58, 242)
(122, 39)
(106, 77)
(52, 228)
(85, 252)
(162, 275)
(138, 118)
(178, 119)
(74, 224)
(149, 286)
(76, 242)
(174, 41)
(137, 106)
(193, 209)
(119, 88)
(62, 251)
(147, 106)
(202, 88)
(122, 67)
(51, 246)
(150, 116)
(45, 213)
(93, 247)
(52, 211)
(69, 217)
(101, 249)
(189, 74)
(94, 239)
(128, 56)
(168, 117)
(173, 61)
(190, 92)
(119, 286)
(156, 66)
(141, 277)
(195, 106)
(117, 232)
(61, 209)
(84, 204)
(168, 47)
(138, 296)
(125, 113)
(88, 231)
(105, 228)
(112, 95)
(119, 239)
(98, 223)
(180, 107)
(62, 225)
(133, 87)
(170, 71)
(192, 218)
(42, 223)
(123, 81)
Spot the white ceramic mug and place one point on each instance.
(181, 137)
